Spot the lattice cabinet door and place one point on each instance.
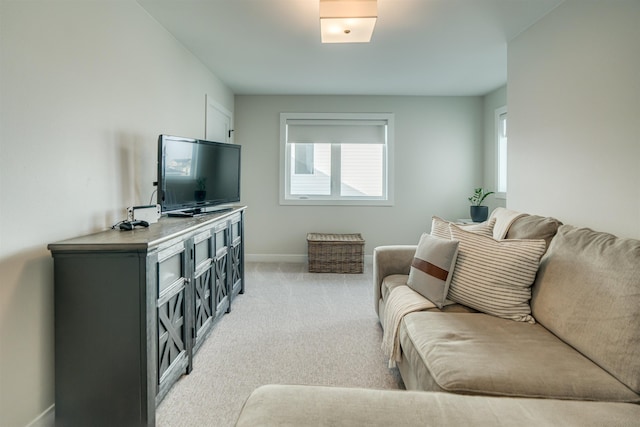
(173, 345)
(203, 286)
(221, 266)
(237, 255)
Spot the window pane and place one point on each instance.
(502, 153)
(318, 182)
(502, 172)
(361, 170)
(303, 158)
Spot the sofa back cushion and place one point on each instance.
(440, 227)
(587, 292)
(533, 227)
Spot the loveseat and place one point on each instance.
(563, 349)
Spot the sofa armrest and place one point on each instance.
(389, 260)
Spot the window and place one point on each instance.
(336, 159)
(501, 152)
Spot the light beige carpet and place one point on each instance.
(290, 327)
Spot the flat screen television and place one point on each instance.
(196, 176)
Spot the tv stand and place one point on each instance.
(131, 309)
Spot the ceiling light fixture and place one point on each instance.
(347, 21)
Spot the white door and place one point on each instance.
(218, 121)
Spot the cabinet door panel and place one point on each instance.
(172, 348)
(170, 267)
(172, 317)
(221, 276)
(203, 311)
(202, 248)
(221, 284)
(236, 267)
(202, 287)
(237, 254)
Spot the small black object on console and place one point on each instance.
(130, 225)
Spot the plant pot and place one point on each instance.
(200, 195)
(479, 213)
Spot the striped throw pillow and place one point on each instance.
(495, 276)
(440, 227)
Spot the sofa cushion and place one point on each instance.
(432, 268)
(299, 405)
(480, 354)
(495, 276)
(392, 281)
(440, 227)
(588, 293)
(533, 227)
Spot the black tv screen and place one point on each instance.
(195, 174)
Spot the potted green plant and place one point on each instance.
(478, 212)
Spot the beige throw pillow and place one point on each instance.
(440, 227)
(432, 268)
(495, 276)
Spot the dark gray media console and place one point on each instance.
(132, 308)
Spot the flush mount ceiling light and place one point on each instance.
(347, 21)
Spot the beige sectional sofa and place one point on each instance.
(584, 344)
(573, 359)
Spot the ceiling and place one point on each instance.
(419, 47)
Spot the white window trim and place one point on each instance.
(499, 111)
(388, 117)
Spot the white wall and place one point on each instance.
(438, 162)
(574, 116)
(86, 87)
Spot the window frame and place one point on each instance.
(285, 166)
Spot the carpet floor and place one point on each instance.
(289, 327)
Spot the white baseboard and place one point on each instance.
(368, 259)
(45, 419)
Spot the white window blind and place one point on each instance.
(335, 159)
(336, 131)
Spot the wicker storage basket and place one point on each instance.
(335, 253)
